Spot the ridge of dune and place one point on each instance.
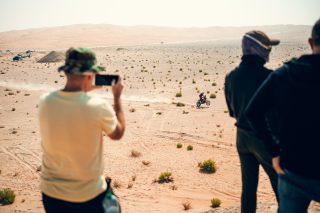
(102, 35)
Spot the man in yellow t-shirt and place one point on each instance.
(72, 123)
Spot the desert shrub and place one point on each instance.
(165, 177)
(214, 84)
(215, 202)
(208, 166)
(193, 81)
(146, 163)
(179, 104)
(135, 153)
(179, 94)
(129, 185)
(132, 110)
(189, 147)
(173, 187)
(179, 145)
(116, 184)
(7, 196)
(186, 205)
(213, 95)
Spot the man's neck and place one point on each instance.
(73, 88)
(316, 50)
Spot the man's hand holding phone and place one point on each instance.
(117, 88)
(105, 80)
(109, 80)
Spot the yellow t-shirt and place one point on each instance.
(71, 125)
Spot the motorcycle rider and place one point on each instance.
(202, 97)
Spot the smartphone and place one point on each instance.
(106, 80)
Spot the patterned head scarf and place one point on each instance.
(251, 47)
(258, 43)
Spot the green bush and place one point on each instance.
(189, 147)
(208, 166)
(7, 196)
(179, 94)
(215, 202)
(179, 145)
(165, 177)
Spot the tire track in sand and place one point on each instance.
(25, 158)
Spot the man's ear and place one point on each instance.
(310, 41)
(89, 77)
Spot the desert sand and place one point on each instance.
(155, 64)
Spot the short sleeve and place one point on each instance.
(108, 119)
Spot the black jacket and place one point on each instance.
(293, 91)
(240, 85)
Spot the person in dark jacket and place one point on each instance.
(240, 85)
(293, 91)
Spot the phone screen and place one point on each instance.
(105, 80)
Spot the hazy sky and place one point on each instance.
(23, 14)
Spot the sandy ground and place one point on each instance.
(152, 75)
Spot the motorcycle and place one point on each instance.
(202, 101)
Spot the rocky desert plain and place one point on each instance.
(157, 64)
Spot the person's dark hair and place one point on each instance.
(316, 33)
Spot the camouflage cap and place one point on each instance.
(80, 60)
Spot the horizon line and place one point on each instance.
(156, 26)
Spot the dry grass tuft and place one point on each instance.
(179, 94)
(208, 166)
(215, 202)
(213, 96)
(189, 147)
(7, 196)
(165, 177)
(186, 205)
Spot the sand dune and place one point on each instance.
(110, 35)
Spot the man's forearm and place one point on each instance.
(119, 111)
